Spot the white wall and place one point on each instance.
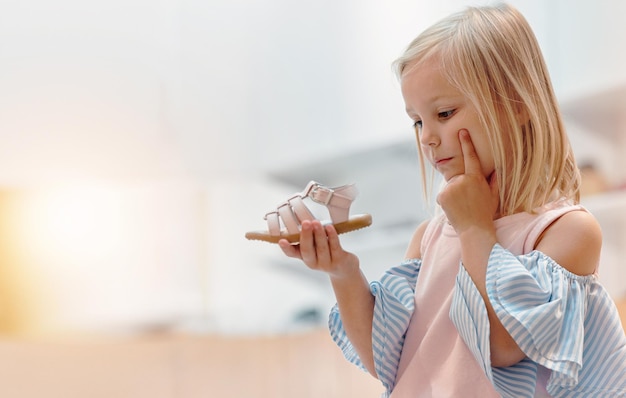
(220, 92)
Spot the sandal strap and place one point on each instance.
(289, 218)
(299, 209)
(273, 223)
(294, 210)
(337, 200)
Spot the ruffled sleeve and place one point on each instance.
(394, 305)
(562, 321)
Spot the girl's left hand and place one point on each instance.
(470, 199)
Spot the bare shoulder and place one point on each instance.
(415, 246)
(574, 241)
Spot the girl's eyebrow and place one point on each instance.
(412, 115)
(432, 100)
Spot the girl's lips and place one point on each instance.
(442, 161)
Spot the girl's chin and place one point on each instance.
(450, 176)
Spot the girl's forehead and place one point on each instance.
(427, 80)
(419, 63)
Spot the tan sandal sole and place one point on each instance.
(354, 223)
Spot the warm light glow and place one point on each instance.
(75, 220)
(101, 256)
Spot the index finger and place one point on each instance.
(470, 157)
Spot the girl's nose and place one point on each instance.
(428, 136)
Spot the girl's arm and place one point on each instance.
(356, 306)
(470, 201)
(574, 241)
(476, 246)
(320, 250)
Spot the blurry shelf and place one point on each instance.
(607, 205)
(387, 176)
(601, 112)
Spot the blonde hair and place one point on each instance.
(490, 54)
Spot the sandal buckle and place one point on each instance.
(321, 194)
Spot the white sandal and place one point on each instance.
(292, 212)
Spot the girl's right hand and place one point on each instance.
(470, 199)
(320, 250)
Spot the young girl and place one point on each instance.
(500, 296)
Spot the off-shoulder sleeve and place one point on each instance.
(562, 321)
(394, 305)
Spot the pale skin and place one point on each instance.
(453, 141)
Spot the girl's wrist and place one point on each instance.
(345, 272)
(479, 235)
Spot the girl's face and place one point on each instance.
(440, 111)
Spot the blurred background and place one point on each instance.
(140, 140)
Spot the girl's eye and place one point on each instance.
(417, 125)
(445, 114)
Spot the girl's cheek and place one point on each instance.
(424, 152)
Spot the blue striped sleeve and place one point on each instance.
(565, 322)
(394, 304)
(469, 315)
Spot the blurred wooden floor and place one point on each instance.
(305, 365)
(299, 365)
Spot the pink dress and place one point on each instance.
(435, 362)
(443, 351)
